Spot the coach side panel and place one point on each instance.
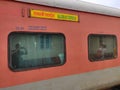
(75, 38)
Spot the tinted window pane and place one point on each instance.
(33, 50)
(102, 47)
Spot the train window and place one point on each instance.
(102, 47)
(35, 50)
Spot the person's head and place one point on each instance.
(17, 46)
(103, 45)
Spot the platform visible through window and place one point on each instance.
(35, 50)
(102, 47)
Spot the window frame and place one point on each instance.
(116, 43)
(37, 67)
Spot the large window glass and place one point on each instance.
(35, 50)
(102, 47)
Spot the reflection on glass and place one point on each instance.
(33, 50)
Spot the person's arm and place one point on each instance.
(14, 51)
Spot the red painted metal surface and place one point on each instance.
(14, 15)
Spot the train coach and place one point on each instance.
(58, 45)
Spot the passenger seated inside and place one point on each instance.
(17, 55)
(101, 52)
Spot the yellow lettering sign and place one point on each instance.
(53, 15)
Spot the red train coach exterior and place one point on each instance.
(46, 32)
